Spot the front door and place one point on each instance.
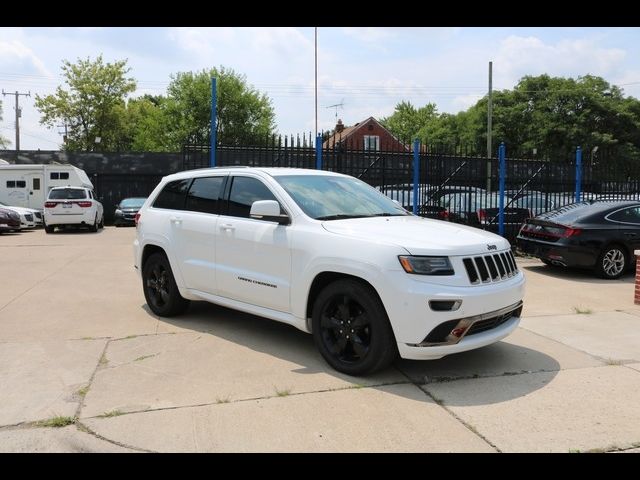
(253, 257)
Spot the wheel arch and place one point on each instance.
(321, 280)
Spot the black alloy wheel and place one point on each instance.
(351, 328)
(160, 289)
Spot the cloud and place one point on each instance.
(463, 102)
(519, 56)
(16, 56)
(369, 34)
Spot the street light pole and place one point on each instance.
(489, 126)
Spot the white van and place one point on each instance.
(28, 185)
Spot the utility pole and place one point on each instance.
(18, 114)
(316, 83)
(66, 131)
(489, 118)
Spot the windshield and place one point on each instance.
(325, 197)
(132, 202)
(67, 194)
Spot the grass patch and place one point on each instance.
(56, 422)
(574, 450)
(87, 338)
(283, 393)
(112, 413)
(83, 391)
(613, 361)
(582, 311)
(139, 359)
(222, 399)
(130, 336)
(357, 385)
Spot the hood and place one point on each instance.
(419, 236)
(22, 210)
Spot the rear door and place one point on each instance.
(194, 232)
(253, 257)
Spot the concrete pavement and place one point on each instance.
(79, 346)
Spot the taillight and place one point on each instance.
(443, 215)
(571, 232)
(50, 204)
(137, 218)
(84, 204)
(482, 216)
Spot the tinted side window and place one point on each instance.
(245, 191)
(173, 195)
(628, 215)
(204, 193)
(64, 175)
(54, 175)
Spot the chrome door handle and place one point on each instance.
(175, 220)
(227, 226)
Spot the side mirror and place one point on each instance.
(268, 210)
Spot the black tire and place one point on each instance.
(49, 229)
(94, 227)
(612, 262)
(160, 289)
(347, 310)
(101, 224)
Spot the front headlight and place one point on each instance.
(118, 211)
(426, 265)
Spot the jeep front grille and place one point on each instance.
(490, 268)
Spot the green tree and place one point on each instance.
(143, 125)
(91, 105)
(244, 115)
(408, 122)
(4, 143)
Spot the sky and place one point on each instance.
(364, 70)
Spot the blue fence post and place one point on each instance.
(319, 152)
(578, 173)
(416, 174)
(214, 123)
(501, 160)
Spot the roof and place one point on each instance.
(338, 137)
(271, 171)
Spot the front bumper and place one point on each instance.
(407, 301)
(415, 352)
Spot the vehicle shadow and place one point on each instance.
(576, 274)
(286, 342)
(76, 231)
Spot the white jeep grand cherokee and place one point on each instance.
(331, 256)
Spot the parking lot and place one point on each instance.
(78, 346)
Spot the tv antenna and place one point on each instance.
(341, 105)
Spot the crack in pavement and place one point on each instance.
(440, 403)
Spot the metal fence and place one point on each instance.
(449, 184)
(112, 188)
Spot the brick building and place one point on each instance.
(368, 135)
